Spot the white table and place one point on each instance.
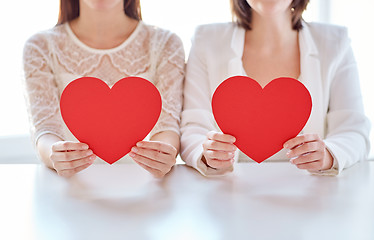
(257, 201)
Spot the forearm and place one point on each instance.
(169, 137)
(44, 148)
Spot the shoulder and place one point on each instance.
(42, 40)
(330, 31)
(328, 36)
(164, 44)
(210, 37)
(161, 36)
(215, 28)
(215, 31)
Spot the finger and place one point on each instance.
(62, 165)
(305, 148)
(154, 172)
(219, 164)
(290, 144)
(158, 146)
(221, 137)
(67, 145)
(71, 172)
(306, 158)
(313, 166)
(219, 146)
(151, 154)
(69, 156)
(219, 155)
(150, 162)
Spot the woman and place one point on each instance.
(270, 40)
(104, 39)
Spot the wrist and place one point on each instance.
(203, 159)
(44, 147)
(328, 159)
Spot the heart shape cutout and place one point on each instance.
(110, 120)
(261, 119)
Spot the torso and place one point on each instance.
(69, 58)
(264, 67)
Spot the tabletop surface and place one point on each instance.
(122, 201)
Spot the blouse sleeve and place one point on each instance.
(169, 81)
(197, 118)
(347, 126)
(41, 92)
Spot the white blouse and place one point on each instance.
(54, 58)
(328, 70)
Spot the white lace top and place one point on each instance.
(55, 57)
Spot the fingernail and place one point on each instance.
(134, 149)
(132, 154)
(233, 139)
(139, 144)
(90, 152)
(93, 157)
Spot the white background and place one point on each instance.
(22, 18)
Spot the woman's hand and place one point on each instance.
(68, 158)
(309, 152)
(154, 156)
(219, 150)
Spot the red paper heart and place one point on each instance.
(261, 120)
(110, 121)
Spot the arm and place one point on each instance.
(40, 90)
(347, 126)
(158, 155)
(42, 98)
(198, 148)
(347, 138)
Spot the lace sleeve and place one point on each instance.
(41, 92)
(169, 81)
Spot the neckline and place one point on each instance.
(237, 44)
(102, 51)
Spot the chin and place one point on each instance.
(270, 7)
(103, 5)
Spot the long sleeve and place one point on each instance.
(41, 92)
(197, 118)
(169, 81)
(347, 126)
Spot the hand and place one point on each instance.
(154, 156)
(68, 158)
(219, 150)
(309, 152)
